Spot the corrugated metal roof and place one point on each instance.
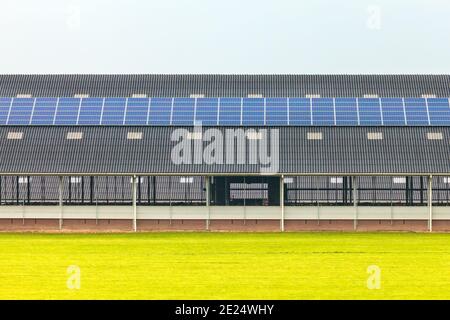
(225, 85)
(106, 150)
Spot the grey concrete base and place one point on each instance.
(238, 218)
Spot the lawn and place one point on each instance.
(224, 266)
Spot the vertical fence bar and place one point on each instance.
(208, 219)
(282, 203)
(430, 203)
(355, 203)
(60, 192)
(134, 205)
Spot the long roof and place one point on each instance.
(108, 150)
(225, 85)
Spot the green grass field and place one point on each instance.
(225, 265)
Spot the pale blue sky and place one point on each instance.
(229, 36)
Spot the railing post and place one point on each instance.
(60, 202)
(134, 205)
(355, 203)
(430, 203)
(208, 200)
(282, 203)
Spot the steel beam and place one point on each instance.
(430, 203)
(208, 200)
(134, 205)
(60, 193)
(282, 203)
(355, 203)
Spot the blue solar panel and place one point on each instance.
(346, 112)
(207, 111)
(90, 111)
(416, 112)
(369, 112)
(183, 111)
(67, 111)
(160, 111)
(299, 112)
(276, 111)
(393, 112)
(114, 111)
(439, 111)
(44, 111)
(137, 111)
(323, 112)
(226, 111)
(230, 111)
(5, 104)
(21, 111)
(253, 112)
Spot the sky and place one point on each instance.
(229, 36)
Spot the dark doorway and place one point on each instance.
(245, 191)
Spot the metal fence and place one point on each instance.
(370, 190)
(104, 190)
(182, 190)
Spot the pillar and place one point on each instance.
(355, 203)
(430, 203)
(60, 192)
(134, 205)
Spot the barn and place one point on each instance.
(225, 152)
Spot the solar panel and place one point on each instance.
(369, 112)
(44, 111)
(323, 112)
(253, 112)
(346, 112)
(183, 111)
(416, 112)
(439, 111)
(67, 111)
(393, 112)
(21, 110)
(230, 111)
(160, 111)
(226, 111)
(299, 112)
(114, 111)
(276, 111)
(91, 111)
(5, 104)
(207, 111)
(137, 111)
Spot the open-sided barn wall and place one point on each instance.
(225, 85)
(102, 190)
(231, 191)
(371, 190)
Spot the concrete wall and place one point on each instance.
(153, 218)
(224, 213)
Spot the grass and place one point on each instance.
(225, 265)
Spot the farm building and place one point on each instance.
(225, 152)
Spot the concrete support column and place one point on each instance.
(355, 203)
(60, 202)
(134, 205)
(208, 200)
(282, 203)
(430, 203)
